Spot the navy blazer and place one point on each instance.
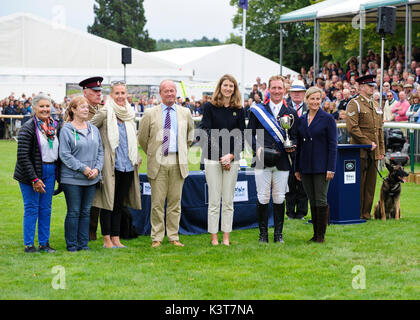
(254, 124)
(316, 144)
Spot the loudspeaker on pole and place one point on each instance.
(386, 20)
(126, 55)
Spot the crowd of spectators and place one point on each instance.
(401, 95)
(22, 106)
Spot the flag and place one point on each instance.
(243, 4)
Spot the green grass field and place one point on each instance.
(374, 260)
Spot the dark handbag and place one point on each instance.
(271, 156)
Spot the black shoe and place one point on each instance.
(278, 238)
(263, 238)
(46, 248)
(30, 249)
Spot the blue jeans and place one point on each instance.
(76, 226)
(37, 206)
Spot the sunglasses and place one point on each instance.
(116, 82)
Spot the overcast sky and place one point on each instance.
(166, 19)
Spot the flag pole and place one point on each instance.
(243, 55)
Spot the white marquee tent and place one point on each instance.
(36, 54)
(210, 63)
(39, 55)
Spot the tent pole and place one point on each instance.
(410, 35)
(281, 50)
(360, 43)
(406, 38)
(316, 49)
(314, 53)
(317, 43)
(243, 55)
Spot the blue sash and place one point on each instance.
(270, 124)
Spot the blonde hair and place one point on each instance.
(74, 103)
(235, 99)
(311, 91)
(275, 78)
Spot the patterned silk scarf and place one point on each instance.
(48, 128)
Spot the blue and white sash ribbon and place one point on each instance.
(270, 124)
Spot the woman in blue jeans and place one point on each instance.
(82, 157)
(35, 169)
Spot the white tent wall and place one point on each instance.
(40, 43)
(41, 56)
(210, 63)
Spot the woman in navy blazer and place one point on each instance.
(315, 159)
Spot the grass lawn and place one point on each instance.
(385, 254)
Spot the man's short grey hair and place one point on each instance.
(40, 96)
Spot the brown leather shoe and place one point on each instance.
(176, 243)
(156, 244)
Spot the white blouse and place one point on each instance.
(48, 154)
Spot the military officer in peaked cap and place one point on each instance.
(364, 124)
(92, 91)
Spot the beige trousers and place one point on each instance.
(166, 186)
(221, 184)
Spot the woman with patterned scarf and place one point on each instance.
(37, 155)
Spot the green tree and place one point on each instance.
(340, 41)
(166, 44)
(122, 22)
(262, 31)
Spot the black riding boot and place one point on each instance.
(314, 216)
(278, 215)
(262, 214)
(323, 217)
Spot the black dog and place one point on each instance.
(389, 204)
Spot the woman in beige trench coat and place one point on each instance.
(120, 180)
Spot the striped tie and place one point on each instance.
(166, 133)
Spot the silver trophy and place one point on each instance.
(286, 122)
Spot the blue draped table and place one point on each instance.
(194, 204)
